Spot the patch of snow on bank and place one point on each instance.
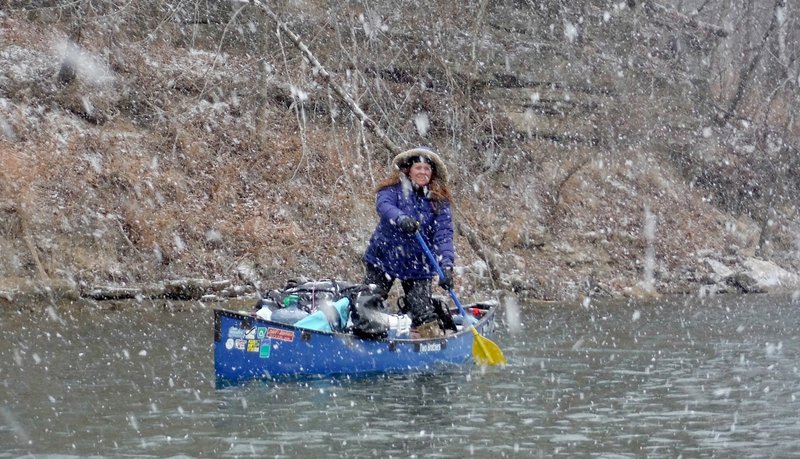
(768, 274)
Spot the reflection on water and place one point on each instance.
(690, 377)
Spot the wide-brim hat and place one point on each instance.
(406, 159)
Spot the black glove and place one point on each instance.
(446, 282)
(407, 224)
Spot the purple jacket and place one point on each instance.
(398, 253)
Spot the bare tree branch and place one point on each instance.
(323, 73)
(745, 77)
(686, 20)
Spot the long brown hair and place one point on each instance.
(438, 190)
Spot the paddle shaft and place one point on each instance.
(439, 271)
(484, 351)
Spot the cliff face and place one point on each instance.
(596, 148)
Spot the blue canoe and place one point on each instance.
(247, 347)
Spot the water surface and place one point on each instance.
(686, 377)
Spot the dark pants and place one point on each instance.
(417, 293)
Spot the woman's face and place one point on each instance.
(420, 174)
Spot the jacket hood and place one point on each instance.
(438, 164)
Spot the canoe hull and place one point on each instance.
(251, 348)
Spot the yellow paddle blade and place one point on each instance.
(484, 351)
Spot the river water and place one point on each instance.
(687, 377)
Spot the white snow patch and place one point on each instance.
(180, 246)
(422, 123)
(213, 235)
(720, 270)
(513, 316)
(769, 274)
(87, 66)
(570, 31)
(7, 130)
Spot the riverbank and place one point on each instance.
(134, 156)
(752, 276)
(26, 293)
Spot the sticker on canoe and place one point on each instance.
(283, 335)
(235, 332)
(430, 347)
(253, 345)
(261, 332)
(229, 344)
(264, 350)
(239, 344)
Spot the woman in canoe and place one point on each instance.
(413, 198)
